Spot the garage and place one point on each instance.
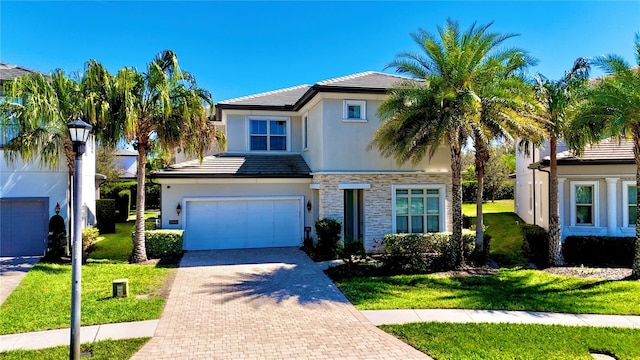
(243, 222)
(24, 226)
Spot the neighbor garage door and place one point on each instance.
(243, 223)
(23, 227)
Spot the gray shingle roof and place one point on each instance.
(124, 152)
(294, 97)
(607, 151)
(8, 71)
(282, 97)
(238, 165)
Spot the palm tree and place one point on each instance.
(556, 99)
(435, 109)
(41, 108)
(506, 107)
(162, 105)
(613, 109)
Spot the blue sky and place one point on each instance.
(241, 48)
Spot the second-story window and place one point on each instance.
(355, 110)
(268, 135)
(305, 131)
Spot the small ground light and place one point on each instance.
(120, 288)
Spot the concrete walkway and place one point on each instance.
(51, 338)
(403, 316)
(12, 270)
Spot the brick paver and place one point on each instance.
(263, 304)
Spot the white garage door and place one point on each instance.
(243, 223)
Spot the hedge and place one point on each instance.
(328, 232)
(503, 192)
(422, 252)
(152, 193)
(123, 204)
(164, 244)
(106, 215)
(599, 250)
(535, 244)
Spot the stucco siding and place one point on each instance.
(345, 142)
(313, 154)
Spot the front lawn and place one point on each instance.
(43, 299)
(507, 290)
(100, 350)
(517, 341)
(504, 227)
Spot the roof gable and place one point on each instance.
(8, 71)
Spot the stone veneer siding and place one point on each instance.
(376, 200)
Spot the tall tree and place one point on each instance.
(506, 107)
(39, 111)
(437, 107)
(613, 109)
(556, 98)
(163, 105)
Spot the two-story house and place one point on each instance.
(596, 191)
(29, 191)
(297, 155)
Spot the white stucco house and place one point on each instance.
(596, 191)
(29, 192)
(127, 163)
(297, 155)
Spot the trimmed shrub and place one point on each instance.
(328, 232)
(535, 244)
(164, 244)
(352, 247)
(89, 238)
(123, 205)
(502, 192)
(57, 244)
(422, 252)
(106, 215)
(599, 250)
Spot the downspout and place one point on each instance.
(534, 187)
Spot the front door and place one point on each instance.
(353, 214)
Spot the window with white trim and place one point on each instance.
(268, 134)
(630, 203)
(530, 198)
(418, 209)
(355, 110)
(305, 131)
(584, 203)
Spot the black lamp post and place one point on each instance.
(79, 133)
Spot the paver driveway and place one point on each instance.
(263, 304)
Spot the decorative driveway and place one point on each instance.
(263, 304)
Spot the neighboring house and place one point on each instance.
(596, 191)
(29, 192)
(127, 163)
(297, 155)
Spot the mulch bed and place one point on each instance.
(591, 272)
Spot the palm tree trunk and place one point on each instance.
(456, 200)
(139, 249)
(635, 272)
(555, 246)
(480, 161)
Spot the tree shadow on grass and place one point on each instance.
(521, 290)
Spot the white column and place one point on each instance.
(561, 203)
(612, 205)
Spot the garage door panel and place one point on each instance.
(243, 223)
(24, 227)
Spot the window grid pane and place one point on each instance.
(584, 214)
(417, 210)
(353, 111)
(417, 206)
(258, 142)
(258, 127)
(417, 226)
(433, 223)
(278, 143)
(633, 195)
(584, 194)
(633, 213)
(402, 224)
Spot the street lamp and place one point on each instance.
(79, 133)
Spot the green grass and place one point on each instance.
(517, 341)
(43, 299)
(507, 290)
(499, 206)
(100, 350)
(115, 247)
(503, 225)
(148, 214)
